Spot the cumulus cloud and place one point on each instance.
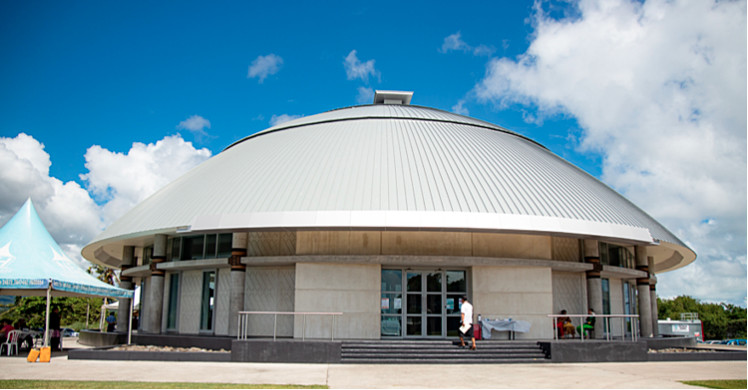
(454, 42)
(278, 119)
(196, 125)
(119, 181)
(355, 69)
(658, 89)
(365, 95)
(264, 66)
(66, 209)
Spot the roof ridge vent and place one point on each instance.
(392, 97)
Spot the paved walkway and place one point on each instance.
(345, 376)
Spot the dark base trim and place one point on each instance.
(285, 351)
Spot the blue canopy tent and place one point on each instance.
(33, 264)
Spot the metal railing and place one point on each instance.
(633, 321)
(243, 325)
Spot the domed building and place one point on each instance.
(387, 213)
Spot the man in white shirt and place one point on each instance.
(466, 322)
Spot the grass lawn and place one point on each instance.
(39, 384)
(720, 383)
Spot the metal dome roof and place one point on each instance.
(392, 167)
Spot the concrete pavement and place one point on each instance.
(345, 376)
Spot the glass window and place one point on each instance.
(176, 244)
(392, 303)
(210, 246)
(171, 318)
(456, 281)
(224, 245)
(414, 326)
(414, 281)
(196, 248)
(147, 255)
(434, 303)
(392, 280)
(391, 326)
(434, 326)
(414, 303)
(434, 282)
(208, 301)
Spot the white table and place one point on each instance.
(503, 325)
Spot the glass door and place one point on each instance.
(414, 304)
(421, 303)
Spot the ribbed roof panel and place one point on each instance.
(383, 162)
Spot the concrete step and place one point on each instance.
(443, 361)
(439, 351)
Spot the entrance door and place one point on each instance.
(424, 300)
(421, 303)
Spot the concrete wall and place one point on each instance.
(189, 302)
(520, 246)
(523, 293)
(165, 303)
(339, 243)
(569, 292)
(144, 303)
(511, 245)
(616, 306)
(269, 289)
(352, 289)
(223, 291)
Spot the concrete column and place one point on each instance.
(653, 297)
(642, 287)
(239, 243)
(123, 312)
(156, 295)
(594, 283)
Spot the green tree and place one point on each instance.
(720, 321)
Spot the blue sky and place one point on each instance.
(631, 92)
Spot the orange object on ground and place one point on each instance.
(46, 355)
(33, 355)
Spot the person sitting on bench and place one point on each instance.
(589, 324)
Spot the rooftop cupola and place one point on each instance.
(392, 97)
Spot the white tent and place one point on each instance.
(32, 263)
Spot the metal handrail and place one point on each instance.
(243, 321)
(606, 318)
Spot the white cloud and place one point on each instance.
(117, 180)
(278, 119)
(454, 42)
(659, 90)
(195, 124)
(365, 95)
(121, 180)
(264, 66)
(66, 209)
(460, 108)
(355, 69)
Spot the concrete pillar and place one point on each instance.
(594, 283)
(156, 295)
(123, 312)
(642, 287)
(239, 243)
(653, 297)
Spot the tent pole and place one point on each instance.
(46, 326)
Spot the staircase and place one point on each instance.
(440, 351)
